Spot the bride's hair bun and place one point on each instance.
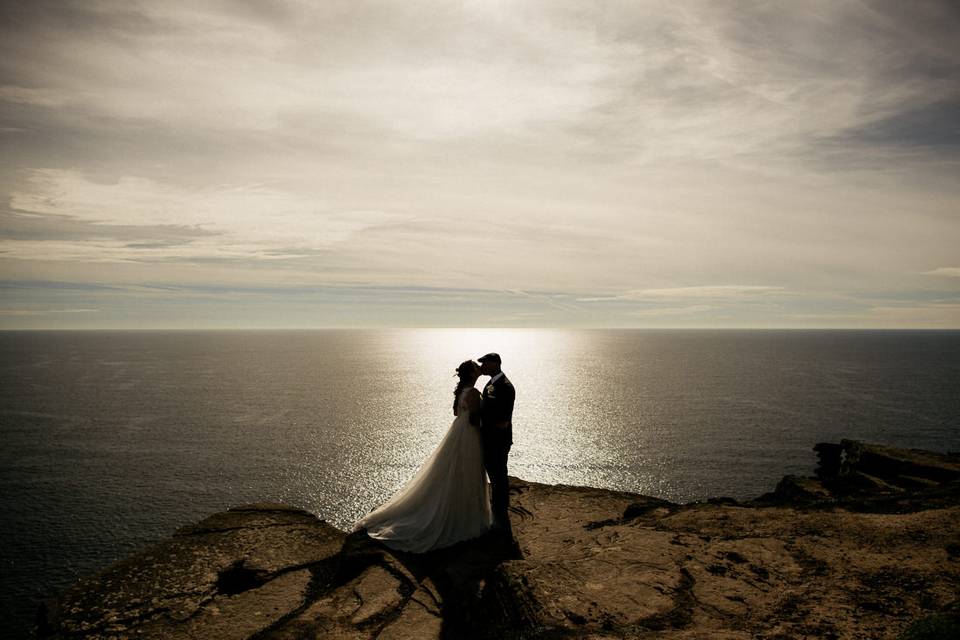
(466, 369)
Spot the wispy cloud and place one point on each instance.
(672, 311)
(241, 221)
(950, 272)
(946, 315)
(553, 300)
(712, 292)
(41, 312)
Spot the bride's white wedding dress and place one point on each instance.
(445, 502)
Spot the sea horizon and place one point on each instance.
(477, 328)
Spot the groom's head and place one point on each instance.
(489, 364)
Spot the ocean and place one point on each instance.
(113, 439)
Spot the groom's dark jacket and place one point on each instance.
(498, 409)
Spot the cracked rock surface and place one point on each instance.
(232, 575)
(835, 556)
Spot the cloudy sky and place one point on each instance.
(615, 164)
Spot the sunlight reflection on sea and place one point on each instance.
(115, 439)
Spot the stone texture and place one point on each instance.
(799, 488)
(581, 576)
(244, 558)
(893, 465)
(415, 622)
(238, 616)
(378, 592)
(861, 551)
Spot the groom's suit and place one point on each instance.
(496, 415)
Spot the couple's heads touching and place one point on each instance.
(471, 370)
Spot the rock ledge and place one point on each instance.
(860, 551)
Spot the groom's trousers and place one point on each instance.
(495, 452)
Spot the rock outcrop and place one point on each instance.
(854, 470)
(860, 551)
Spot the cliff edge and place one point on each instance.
(869, 548)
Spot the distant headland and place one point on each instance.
(867, 548)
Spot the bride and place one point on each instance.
(447, 500)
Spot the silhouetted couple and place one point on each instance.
(449, 499)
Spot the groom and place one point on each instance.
(496, 414)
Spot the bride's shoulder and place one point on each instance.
(468, 393)
(470, 396)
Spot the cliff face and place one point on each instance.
(862, 550)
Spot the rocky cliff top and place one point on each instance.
(869, 548)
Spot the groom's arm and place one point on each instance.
(508, 399)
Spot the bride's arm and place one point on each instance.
(474, 401)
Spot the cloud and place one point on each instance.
(672, 311)
(929, 126)
(702, 80)
(40, 312)
(950, 272)
(423, 70)
(715, 291)
(718, 292)
(605, 152)
(33, 97)
(553, 300)
(940, 315)
(253, 221)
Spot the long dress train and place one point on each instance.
(446, 501)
